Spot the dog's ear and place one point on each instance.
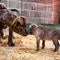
(22, 20)
(35, 25)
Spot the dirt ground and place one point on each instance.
(24, 49)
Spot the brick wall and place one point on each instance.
(36, 11)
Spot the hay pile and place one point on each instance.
(24, 49)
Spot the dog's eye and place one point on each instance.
(18, 24)
(20, 30)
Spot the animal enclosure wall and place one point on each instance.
(36, 11)
(59, 12)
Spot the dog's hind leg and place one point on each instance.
(56, 43)
(43, 44)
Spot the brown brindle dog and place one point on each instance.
(45, 33)
(15, 23)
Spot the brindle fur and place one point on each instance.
(2, 24)
(45, 33)
(7, 18)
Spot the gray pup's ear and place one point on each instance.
(33, 25)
